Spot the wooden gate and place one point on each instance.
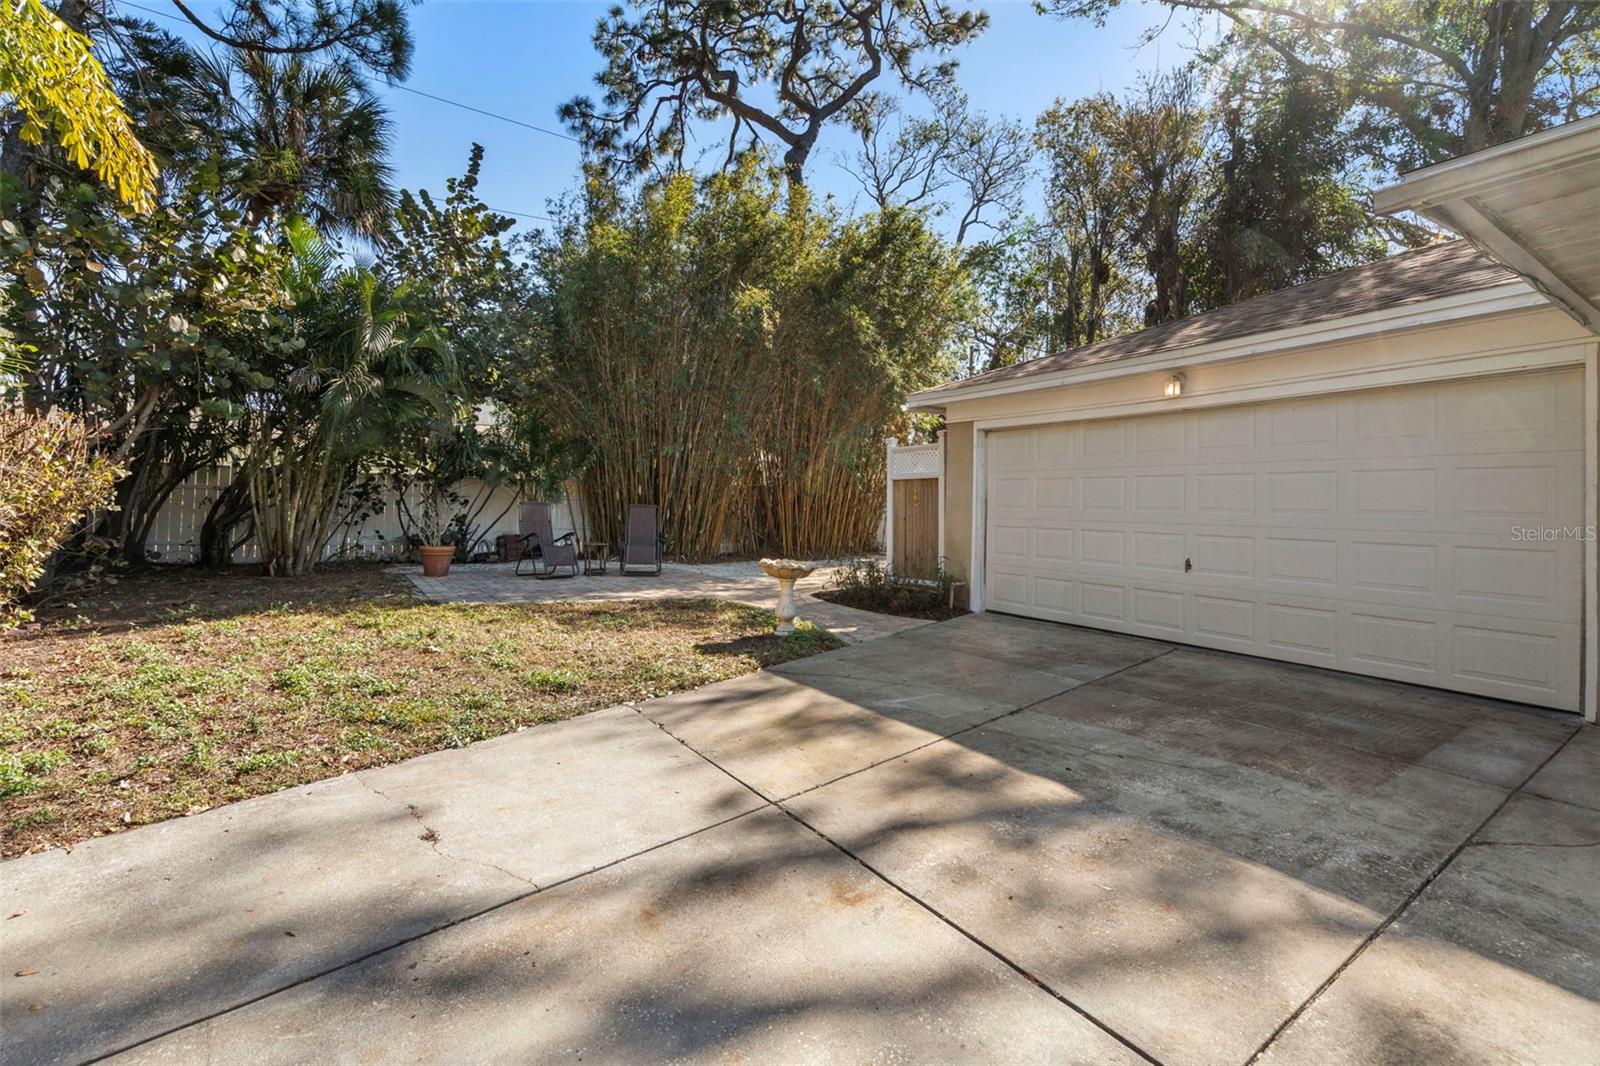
(916, 528)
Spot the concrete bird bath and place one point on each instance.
(787, 571)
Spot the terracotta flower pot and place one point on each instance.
(436, 560)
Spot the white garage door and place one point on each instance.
(1375, 532)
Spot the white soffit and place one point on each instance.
(1533, 204)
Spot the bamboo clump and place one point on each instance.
(737, 358)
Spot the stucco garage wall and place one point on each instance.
(1510, 342)
(958, 500)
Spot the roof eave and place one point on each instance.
(1461, 195)
(1498, 299)
(1511, 161)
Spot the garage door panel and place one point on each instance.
(1224, 555)
(1297, 493)
(1159, 439)
(1306, 426)
(1104, 442)
(1056, 443)
(1538, 582)
(1410, 494)
(1054, 594)
(1159, 494)
(1367, 532)
(1226, 434)
(1010, 589)
(1010, 542)
(1160, 550)
(1054, 545)
(1403, 571)
(1104, 493)
(1225, 494)
(1386, 642)
(1502, 491)
(1408, 416)
(1226, 619)
(1381, 566)
(1301, 560)
(1490, 656)
(1011, 451)
(1159, 609)
(1013, 492)
(1102, 548)
(1517, 415)
(1503, 576)
(1510, 658)
(1309, 629)
(1056, 493)
(1103, 601)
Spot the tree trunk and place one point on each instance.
(231, 507)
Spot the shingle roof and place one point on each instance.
(1445, 269)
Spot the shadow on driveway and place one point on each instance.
(980, 840)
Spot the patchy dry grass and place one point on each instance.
(178, 690)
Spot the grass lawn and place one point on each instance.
(177, 690)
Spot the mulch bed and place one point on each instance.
(902, 606)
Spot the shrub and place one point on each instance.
(48, 482)
(872, 586)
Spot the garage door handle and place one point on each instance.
(1188, 565)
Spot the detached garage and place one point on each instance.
(1388, 471)
(1365, 532)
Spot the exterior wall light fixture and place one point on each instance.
(1174, 386)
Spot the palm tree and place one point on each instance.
(306, 139)
(359, 370)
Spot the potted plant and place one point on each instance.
(430, 532)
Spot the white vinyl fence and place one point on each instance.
(175, 536)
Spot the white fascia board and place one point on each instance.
(1491, 235)
(1512, 296)
(1456, 178)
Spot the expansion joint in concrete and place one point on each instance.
(1405, 904)
(939, 915)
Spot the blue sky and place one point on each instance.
(523, 58)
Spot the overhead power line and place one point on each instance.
(522, 214)
(402, 88)
(481, 111)
(418, 92)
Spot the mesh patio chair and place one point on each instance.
(546, 552)
(641, 542)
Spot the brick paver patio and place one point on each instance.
(740, 582)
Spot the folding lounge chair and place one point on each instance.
(641, 543)
(547, 553)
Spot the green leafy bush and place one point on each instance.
(48, 482)
(871, 586)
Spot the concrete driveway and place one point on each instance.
(983, 840)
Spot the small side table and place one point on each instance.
(509, 547)
(596, 554)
